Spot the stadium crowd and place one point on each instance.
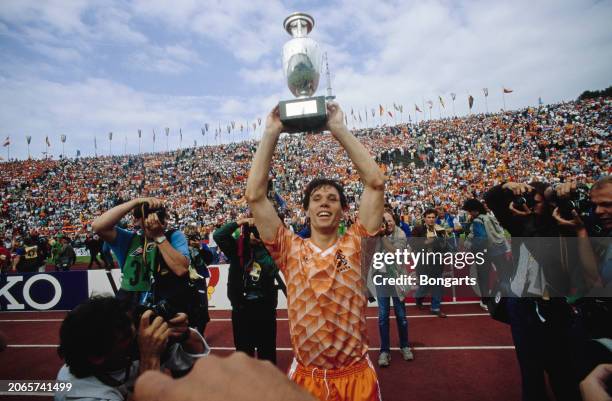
(435, 162)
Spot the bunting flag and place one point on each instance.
(352, 112)
(206, 127)
(507, 90)
(153, 135)
(485, 91)
(195, 143)
(233, 125)
(7, 142)
(380, 109)
(254, 126)
(540, 101)
(241, 127)
(345, 120)
(78, 153)
(259, 121)
(441, 101)
(470, 101)
(390, 115)
(395, 107)
(365, 111)
(63, 138)
(453, 96)
(229, 128)
(360, 120)
(47, 140)
(29, 139)
(96, 143)
(417, 108)
(430, 103)
(110, 136)
(401, 108)
(181, 134)
(203, 132)
(167, 131)
(373, 112)
(139, 133)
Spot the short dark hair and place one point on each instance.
(92, 329)
(323, 182)
(474, 205)
(430, 211)
(601, 183)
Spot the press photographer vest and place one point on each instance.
(137, 275)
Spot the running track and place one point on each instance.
(466, 357)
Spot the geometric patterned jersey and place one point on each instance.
(325, 297)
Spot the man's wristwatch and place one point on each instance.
(160, 239)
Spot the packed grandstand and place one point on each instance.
(435, 162)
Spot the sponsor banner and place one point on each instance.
(42, 291)
(81, 251)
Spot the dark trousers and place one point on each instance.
(543, 346)
(94, 259)
(254, 326)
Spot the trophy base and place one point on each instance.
(301, 115)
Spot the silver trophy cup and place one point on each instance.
(302, 61)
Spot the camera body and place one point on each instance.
(527, 199)
(144, 210)
(161, 308)
(578, 201)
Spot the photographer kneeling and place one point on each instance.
(104, 351)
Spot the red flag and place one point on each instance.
(506, 90)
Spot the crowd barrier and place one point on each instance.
(65, 290)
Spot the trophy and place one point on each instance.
(302, 67)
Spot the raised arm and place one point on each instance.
(266, 219)
(104, 225)
(372, 200)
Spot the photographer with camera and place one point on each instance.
(66, 256)
(105, 346)
(536, 308)
(434, 240)
(251, 288)
(593, 321)
(155, 261)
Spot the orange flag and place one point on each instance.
(380, 109)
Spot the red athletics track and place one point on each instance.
(466, 357)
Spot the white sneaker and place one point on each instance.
(384, 359)
(407, 354)
(484, 306)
